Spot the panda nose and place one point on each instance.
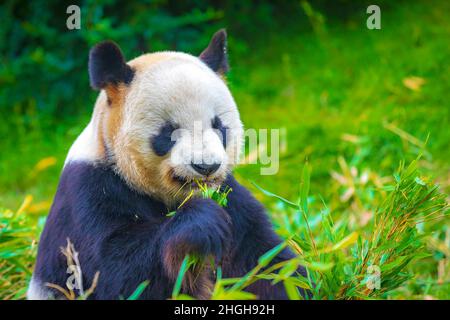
(205, 169)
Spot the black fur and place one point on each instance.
(107, 65)
(129, 239)
(162, 143)
(221, 130)
(215, 55)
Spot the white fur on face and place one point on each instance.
(185, 92)
(200, 145)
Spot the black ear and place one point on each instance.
(215, 55)
(107, 66)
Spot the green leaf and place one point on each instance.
(137, 293)
(348, 240)
(396, 263)
(265, 259)
(171, 214)
(420, 181)
(235, 295)
(187, 262)
(304, 187)
(270, 194)
(291, 290)
(320, 266)
(289, 268)
(300, 282)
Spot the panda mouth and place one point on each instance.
(194, 183)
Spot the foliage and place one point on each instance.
(346, 264)
(19, 233)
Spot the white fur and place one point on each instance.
(85, 146)
(36, 291)
(205, 147)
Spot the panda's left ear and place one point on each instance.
(215, 55)
(107, 66)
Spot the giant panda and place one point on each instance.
(126, 171)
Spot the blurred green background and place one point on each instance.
(353, 101)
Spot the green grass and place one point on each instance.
(347, 99)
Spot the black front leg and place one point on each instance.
(253, 236)
(201, 228)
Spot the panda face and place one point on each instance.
(165, 120)
(180, 126)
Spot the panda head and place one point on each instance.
(165, 120)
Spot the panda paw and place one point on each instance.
(201, 228)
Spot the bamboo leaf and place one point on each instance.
(273, 195)
(347, 241)
(137, 293)
(187, 262)
(265, 259)
(304, 187)
(291, 290)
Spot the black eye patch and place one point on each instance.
(217, 125)
(162, 143)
